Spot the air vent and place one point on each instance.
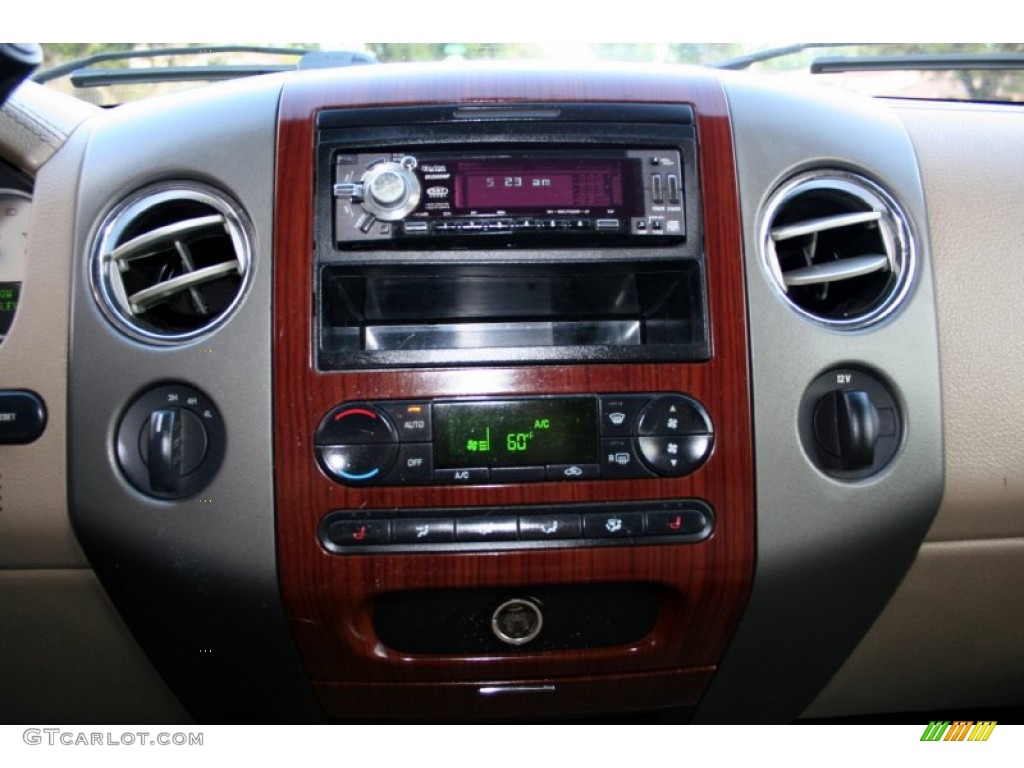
(837, 248)
(171, 262)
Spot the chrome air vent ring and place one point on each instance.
(837, 248)
(171, 262)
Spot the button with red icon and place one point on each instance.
(357, 533)
(679, 522)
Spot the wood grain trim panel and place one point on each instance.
(329, 599)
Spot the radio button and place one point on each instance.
(415, 227)
(673, 189)
(517, 474)
(607, 224)
(469, 476)
(543, 527)
(504, 528)
(348, 190)
(423, 531)
(573, 471)
(613, 525)
(675, 456)
(657, 190)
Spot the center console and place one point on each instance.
(512, 420)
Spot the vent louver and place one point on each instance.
(837, 248)
(171, 262)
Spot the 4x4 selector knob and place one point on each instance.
(170, 442)
(391, 190)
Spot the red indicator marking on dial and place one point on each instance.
(354, 412)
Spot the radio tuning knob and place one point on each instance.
(391, 190)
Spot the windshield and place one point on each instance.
(991, 72)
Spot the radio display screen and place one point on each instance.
(517, 184)
(533, 185)
(516, 433)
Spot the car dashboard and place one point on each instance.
(509, 392)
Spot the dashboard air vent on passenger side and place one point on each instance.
(171, 262)
(837, 248)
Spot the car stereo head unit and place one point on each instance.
(508, 234)
(516, 193)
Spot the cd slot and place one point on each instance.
(412, 315)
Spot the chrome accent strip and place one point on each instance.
(155, 240)
(826, 222)
(498, 690)
(149, 297)
(186, 258)
(837, 270)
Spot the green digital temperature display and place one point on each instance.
(516, 433)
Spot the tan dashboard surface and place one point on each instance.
(35, 531)
(952, 634)
(971, 163)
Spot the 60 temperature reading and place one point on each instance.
(514, 441)
(520, 441)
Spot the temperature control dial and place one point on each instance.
(356, 444)
(391, 190)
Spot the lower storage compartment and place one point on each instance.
(562, 698)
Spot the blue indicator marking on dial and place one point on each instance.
(365, 476)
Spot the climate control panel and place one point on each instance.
(474, 441)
